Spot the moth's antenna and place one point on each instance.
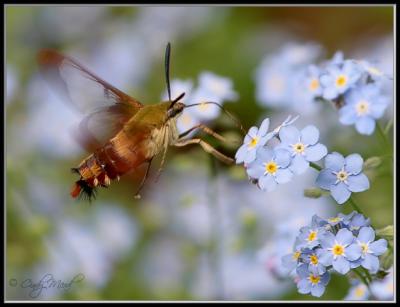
(167, 54)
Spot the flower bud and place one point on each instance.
(313, 192)
(386, 232)
(372, 162)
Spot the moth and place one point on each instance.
(136, 133)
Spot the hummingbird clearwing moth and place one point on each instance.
(119, 131)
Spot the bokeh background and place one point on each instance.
(202, 231)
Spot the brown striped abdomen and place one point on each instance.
(104, 165)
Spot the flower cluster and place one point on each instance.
(211, 87)
(339, 244)
(354, 86)
(270, 166)
(342, 176)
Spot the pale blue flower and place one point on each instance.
(357, 221)
(384, 289)
(311, 257)
(357, 292)
(303, 146)
(310, 282)
(339, 250)
(369, 249)
(371, 70)
(254, 139)
(291, 261)
(212, 88)
(270, 168)
(363, 106)
(342, 176)
(338, 78)
(296, 54)
(311, 82)
(310, 237)
(274, 83)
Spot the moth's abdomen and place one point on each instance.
(100, 168)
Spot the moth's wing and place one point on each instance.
(106, 107)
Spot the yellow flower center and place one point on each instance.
(298, 148)
(362, 107)
(338, 250)
(314, 84)
(314, 279)
(271, 167)
(296, 255)
(314, 259)
(342, 175)
(312, 236)
(334, 219)
(359, 292)
(254, 142)
(341, 80)
(364, 248)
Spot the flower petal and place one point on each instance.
(344, 236)
(309, 135)
(347, 115)
(289, 135)
(317, 290)
(358, 183)
(250, 156)
(283, 175)
(241, 153)
(371, 263)
(304, 286)
(267, 183)
(327, 240)
(378, 247)
(341, 265)
(255, 169)
(365, 125)
(334, 161)
(366, 234)
(326, 179)
(282, 157)
(340, 193)
(265, 154)
(353, 252)
(316, 152)
(252, 132)
(354, 163)
(299, 165)
(326, 259)
(264, 127)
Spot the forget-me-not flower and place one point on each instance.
(303, 146)
(311, 257)
(339, 78)
(342, 176)
(310, 236)
(310, 282)
(254, 139)
(270, 168)
(363, 106)
(369, 249)
(339, 250)
(358, 292)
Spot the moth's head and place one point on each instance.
(176, 107)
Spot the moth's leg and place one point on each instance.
(206, 130)
(207, 147)
(160, 169)
(137, 195)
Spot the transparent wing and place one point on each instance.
(105, 107)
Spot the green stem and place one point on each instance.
(368, 276)
(388, 126)
(315, 166)
(383, 136)
(361, 276)
(354, 205)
